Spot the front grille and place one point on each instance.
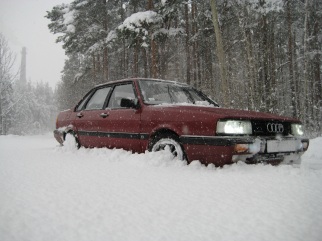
(270, 128)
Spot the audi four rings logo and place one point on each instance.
(275, 128)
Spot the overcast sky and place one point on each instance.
(22, 22)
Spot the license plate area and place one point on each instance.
(275, 146)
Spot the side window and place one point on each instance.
(98, 99)
(121, 91)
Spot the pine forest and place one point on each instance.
(262, 55)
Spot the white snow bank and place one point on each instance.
(54, 193)
(313, 157)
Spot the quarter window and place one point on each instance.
(98, 99)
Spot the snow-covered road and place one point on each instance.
(50, 193)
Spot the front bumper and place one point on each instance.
(285, 150)
(221, 150)
(59, 136)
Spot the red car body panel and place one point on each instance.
(133, 128)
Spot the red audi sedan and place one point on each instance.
(148, 114)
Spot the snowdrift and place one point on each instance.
(60, 193)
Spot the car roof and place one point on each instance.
(147, 79)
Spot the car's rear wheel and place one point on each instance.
(168, 142)
(71, 141)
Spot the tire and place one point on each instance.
(167, 140)
(71, 141)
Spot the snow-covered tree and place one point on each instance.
(74, 83)
(271, 49)
(34, 110)
(7, 77)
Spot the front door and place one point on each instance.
(89, 116)
(121, 127)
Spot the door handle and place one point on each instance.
(104, 115)
(79, 115)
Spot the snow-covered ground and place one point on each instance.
(54, 193)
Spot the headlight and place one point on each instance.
(297, 130)
(234, 127)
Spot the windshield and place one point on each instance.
(162, 93)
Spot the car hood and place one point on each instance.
(224, 113)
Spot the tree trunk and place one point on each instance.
(94, 65)
(98, 64)
(250, 74)
(273, 84)
(220, 54)
(154, 65)
(188, 65)
(105, 65)
(123, 66)
(136, 60)
(105, 52)
(316, 66)
(266, 81)
(145, 62)
(154, 59)
(297, 80)
(290, 59)
(195, 43)
(305, 104)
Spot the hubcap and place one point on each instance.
(169, 145)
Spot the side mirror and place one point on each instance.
(128, 103)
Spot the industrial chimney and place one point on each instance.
(23, 77)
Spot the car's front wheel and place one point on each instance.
(168, 142)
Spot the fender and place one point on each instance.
(168, 127)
